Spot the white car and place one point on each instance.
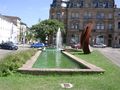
(99, 45)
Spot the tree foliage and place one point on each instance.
(47, 27)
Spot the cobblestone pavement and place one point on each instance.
(112, 54)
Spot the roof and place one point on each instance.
(22, 23)
(12, 17)
(1, 16)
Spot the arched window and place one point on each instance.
(100, 39)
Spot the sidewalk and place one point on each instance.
(112, 54)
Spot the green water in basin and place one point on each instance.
(55, 59)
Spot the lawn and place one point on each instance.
(110, 80)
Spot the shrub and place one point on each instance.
(12, 62)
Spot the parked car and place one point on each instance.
(37, 45)
(8, 46)
(99, 45)
(76, 46)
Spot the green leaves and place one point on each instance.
(47, 27)
(12, 62)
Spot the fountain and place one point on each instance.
(53, 61)
(58, 40)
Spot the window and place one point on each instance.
(87, 15)
(110, 26)
(110, 5)
(104, 4)
(110, 36)
(118, 25)
(100, 26)
(100, 39)
(119, 14)
(100, 15)
(100, 5)
(75, 15)
(74, 39)
(95, 4)
(72, 15)
(110, 16)
(81, 3)
(58, 15)
(75, 5)
(75, 26)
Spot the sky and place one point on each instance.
(30, 11)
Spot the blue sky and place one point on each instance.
(30, 11)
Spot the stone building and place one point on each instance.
(77, 13)
(116, 38)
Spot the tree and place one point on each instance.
(47, 28)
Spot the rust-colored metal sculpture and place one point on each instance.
(85, 38)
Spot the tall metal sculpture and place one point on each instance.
(85, 38)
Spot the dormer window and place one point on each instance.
(100, 5)
(64, 5)
(110, 5)
(95, 3)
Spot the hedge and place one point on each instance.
(10, 63)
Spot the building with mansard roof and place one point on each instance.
(75, 14)
(116, 34)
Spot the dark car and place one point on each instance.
(76, 46)
(8, 46)
(37, 45)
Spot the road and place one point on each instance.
(112, 54)
(3, 52)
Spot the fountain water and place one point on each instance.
(59, 40)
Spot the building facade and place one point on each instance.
(17, 22)
(116, 37)
(75, 14)
(8, 31)
(15, 27)
(23, 30)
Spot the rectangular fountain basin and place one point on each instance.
(87, 67)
